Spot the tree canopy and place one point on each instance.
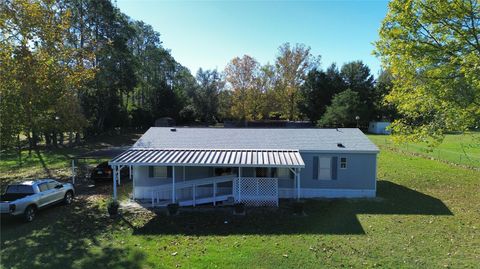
(432, 50)
(82, 68)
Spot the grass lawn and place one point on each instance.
(463, 149)
(426, 216)
(55, 163)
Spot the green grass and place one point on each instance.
(55, 163)
(462, 149)
(426, 216)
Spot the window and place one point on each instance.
(52, 184)
(43, 187)
(19, 189)
(160, 171)
(343, 163)
(324, 168)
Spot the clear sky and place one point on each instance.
(208, 34)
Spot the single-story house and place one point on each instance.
(379, 127)
(192, 166)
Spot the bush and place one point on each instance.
(298, 208)
(172, 209)
(112, 207)
(239, 208)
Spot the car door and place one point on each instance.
(45, 194)
(57, 193)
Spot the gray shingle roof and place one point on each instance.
(324, 140)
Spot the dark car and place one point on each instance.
(104, 173)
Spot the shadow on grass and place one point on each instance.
(64, 237)
(332, 216)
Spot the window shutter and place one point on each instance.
(334, 167)
(169, 171)
(315, 167)
(150, 171)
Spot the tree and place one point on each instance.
(225, 105)
(267, 83)
(292, 66)
(432, 49)
(343, 110)
(41, 77)
(383, 86)
(205, 99)
(318, 91)
(357, 77)
(111, 31)
(242, 74)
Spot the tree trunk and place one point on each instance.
(70, 139)
(77, 138)
(19, 149)
(54, 139)
(30, 146)
(48, 139)
(61, 138)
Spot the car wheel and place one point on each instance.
(29, 214)
(68, 199)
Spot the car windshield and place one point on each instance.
(19, 189)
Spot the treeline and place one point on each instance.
(73, 67)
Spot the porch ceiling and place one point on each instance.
(210, 157)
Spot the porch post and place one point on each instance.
(73, 171)
(239, 184)
(173, 184)
(298, 183)
(133, 182)
(118, 176)
(114, 183)
(130, 172)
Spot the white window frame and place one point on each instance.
(157, 173)
(341, 163)
(320, 168)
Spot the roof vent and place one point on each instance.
(340, 145)
(173, 130)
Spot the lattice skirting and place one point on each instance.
(256, 191)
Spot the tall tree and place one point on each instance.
(432, 49)
(318, 91)
(383, 86)
(357, 77)
(241, 74)
(292, 66)
(103, 102)
(267, 83)
(40, 72)
(343, 110)
(205, 99)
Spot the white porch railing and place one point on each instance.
(193, 192)
(256, 191)
(253, 191)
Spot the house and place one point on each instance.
(378, 127)
(194, 166)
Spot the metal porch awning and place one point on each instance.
(210, 157)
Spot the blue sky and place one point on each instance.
(208, 34)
